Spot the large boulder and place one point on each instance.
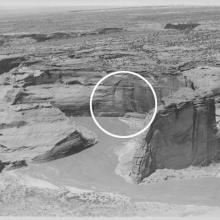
(73, 143)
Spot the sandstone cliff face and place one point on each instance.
(184, 131)
(182, 135)
(68, 89)
(121, 94)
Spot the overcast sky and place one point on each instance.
(30, 3)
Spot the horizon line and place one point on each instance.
(99, 5)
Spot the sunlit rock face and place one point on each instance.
(182, 135)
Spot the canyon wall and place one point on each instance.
(122, 93)
(182, 134)
(184, 131)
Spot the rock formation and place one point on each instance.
(11, 165)
(73, 143)
(9, 62)
(41, 132)
(182, 134)
(184, 131)
(33, 128)
(25, 76)
(187, 26)
(121, 94)
(2, 166)
(42, 37)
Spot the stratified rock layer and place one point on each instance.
(185, 130)
(122, 93)
(182, 134)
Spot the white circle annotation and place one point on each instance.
(115, 135)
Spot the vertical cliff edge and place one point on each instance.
(184, 131)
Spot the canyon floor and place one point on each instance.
(54, 160)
